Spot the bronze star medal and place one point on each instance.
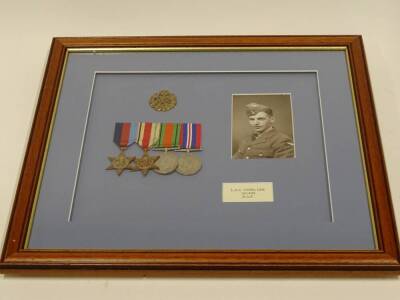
(145, 163)
(120, 163)
(124, 136)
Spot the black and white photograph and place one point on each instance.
(262, 126)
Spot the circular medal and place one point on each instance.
(167, 163)
(163, 100)
(188, 164)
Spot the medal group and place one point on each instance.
(169, 138)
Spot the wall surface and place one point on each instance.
(26, 29)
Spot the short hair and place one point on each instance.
(254, 108)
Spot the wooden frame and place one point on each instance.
(386, 258)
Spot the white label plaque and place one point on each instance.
(247, 192)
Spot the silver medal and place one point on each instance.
(167, 163)
(189, 164)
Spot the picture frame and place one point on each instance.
(38, 240)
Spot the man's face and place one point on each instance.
(260, 121)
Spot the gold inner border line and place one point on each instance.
(46, 152)
(204, 49)
(360, 143)
(101, 50)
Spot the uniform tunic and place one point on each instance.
(269, 144)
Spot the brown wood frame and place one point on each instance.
(386, 258)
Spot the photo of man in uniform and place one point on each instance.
(265, 140)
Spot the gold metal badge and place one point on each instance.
(163, 100)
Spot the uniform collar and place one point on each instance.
(263, 134)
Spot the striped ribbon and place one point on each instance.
(125, 134)
(169, 136)
(148, 134)
(190, 136)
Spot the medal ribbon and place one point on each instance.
(190, 136)
(149, 134)
(125, 134)
(169, 136)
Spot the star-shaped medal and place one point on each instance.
(120, 163)
(145, 163)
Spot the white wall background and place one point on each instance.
(26, 29)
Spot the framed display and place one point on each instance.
(204, 153)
